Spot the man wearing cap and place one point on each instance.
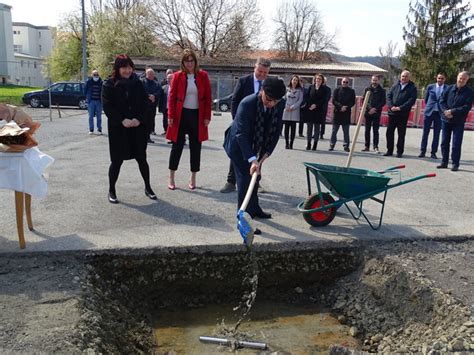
(253, 136)
(92, 90)
(247, 85)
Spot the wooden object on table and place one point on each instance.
(23, 202)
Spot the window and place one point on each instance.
(40, 47)
(28, 64)
(34, 65)
(339, 81)
(72, 88)
(17, 48)
(57, 87)
(16, 32)
(39, 34)
(21, 64)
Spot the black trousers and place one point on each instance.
(290, 131)
(114, 171)
(398, 122)
(309, 133)
(165, 120)
(300, 128)
(150, 118)
(188, 125)
(372, 123)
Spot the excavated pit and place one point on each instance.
(414, 296)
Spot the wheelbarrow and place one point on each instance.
(347, 185)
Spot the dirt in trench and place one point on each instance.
(43, 308)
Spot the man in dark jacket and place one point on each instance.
(456, 102)
(253, 136)
(400, 99)
(327, 90)
(343, 99)
(246, 85)
(154, 92)
(372, 113)
(93, 90)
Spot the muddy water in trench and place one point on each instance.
(295, 329)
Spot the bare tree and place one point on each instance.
(390, 62)
(208, 26)
(300, 32)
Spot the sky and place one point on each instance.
(362, 26)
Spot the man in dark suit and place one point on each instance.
(400, 99)
(247, 85)
(373, 112)
(253, 136)
(343, 101)
(432, 115)
(455, 104)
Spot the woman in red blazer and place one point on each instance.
(189, 112)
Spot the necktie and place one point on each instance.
(259, 85)
(438, 92)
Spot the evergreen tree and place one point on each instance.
(437, 36)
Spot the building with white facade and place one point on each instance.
(7, 59)
(23, 49)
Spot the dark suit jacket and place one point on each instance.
(239, 139)
(377, 100)
(243, 88)
(431, 101)
(459, 101)
(404, 99)
(343, 97)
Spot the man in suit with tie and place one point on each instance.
(432, 115)
(247, 85)
(400, 99)
(455, 104)
(253, 136)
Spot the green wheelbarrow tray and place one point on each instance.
(346, 184)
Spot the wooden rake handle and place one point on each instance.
(356, 133)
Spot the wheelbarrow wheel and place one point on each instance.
(320, 218)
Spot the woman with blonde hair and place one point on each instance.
(189, 112)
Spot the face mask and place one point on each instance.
(95, 78)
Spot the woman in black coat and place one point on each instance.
(314, 110)
(125, 102)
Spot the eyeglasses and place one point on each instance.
(345, 82)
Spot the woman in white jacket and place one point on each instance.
(291, 115)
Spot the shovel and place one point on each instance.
(244, 221)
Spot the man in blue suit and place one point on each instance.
(253, 136)
(432, 115)
(455, 104)
(247, 85)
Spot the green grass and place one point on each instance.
(12, 94)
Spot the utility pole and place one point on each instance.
(84, 43)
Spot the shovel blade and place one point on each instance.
(245, 227)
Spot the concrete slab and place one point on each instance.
(76, 214)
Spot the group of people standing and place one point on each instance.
(130, 105)
(261, 107)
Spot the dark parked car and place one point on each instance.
(66, 93)
(223, 104)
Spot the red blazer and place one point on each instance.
(176, 95)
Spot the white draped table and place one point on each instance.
(24, 173)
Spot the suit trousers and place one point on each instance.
(309, 132)
(150, 119)
(372, 123)
(457, 131)
(243, 177)
(398, 122)
(434, 119)
(165, 120)
(189, 126)
(345, 131)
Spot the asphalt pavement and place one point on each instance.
(76, 214)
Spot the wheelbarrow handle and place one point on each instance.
(402, 166)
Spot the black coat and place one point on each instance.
(404, 99)
(377, 100)
(125, 99)
(343, 96)
(318, 97)
(244, 87)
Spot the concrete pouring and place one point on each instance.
(76, 214)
